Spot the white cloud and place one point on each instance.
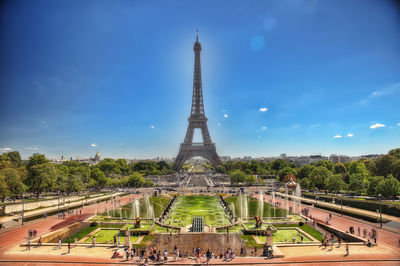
(386, 91)
(259, 137)
(315, 125)
(337, 136)
(377, 125)
(226, 115)
(264, 109)
(43, 124)
(93, 145)
(295, 126)
(5, 149)
(264, 128)
(31, 148)
(398, 124)
(350, 135)
(152, 126)
(218, 124)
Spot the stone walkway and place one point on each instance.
(343, 223)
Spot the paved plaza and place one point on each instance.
(387, 251)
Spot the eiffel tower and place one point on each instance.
(197, 119)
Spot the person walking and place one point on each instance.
(59, 243)
(69, 247)
(347, 249)
(208, 255)
(40, 241)
(28, 245)
(166, 255)
(115, 240)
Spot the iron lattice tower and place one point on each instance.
(197, 119)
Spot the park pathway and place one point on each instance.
(19, 235)
(343, 223)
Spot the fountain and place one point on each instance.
(261, 204)
(273, 202)
(298, 197)
(287, 202)
(233, 209)
(149, 208)
(244, 211)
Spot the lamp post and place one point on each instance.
(341, 206)
(22, 212)
(380, 208)
(58, 204)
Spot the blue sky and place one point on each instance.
(288, 76)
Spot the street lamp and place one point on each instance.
(22, 212)
(341, 206)
(58, 204)
(380, 208)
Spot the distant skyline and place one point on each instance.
(299, 77)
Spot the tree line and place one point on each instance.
(363, 177)
(38, 175)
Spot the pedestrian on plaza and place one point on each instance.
(340, 241)
(330, 216)
(301, 238)
(165, 254)
(115, 240)
(59, 243)
(359, 231)
(69, 247)
(40, 241)
(347, 250)
(93, 241)
(127, 254)
(28, 245)
(132, 253)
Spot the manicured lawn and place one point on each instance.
(286, 235)
(80, 234)
(160, 229)
(107, 236)
(104, 236)
(306, 228)
(143, 226)
(200, 205)
(232, 229)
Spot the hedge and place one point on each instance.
(390, 209)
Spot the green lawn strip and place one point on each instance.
(250, 242)
(306, 228)
(80, 234)
(160, 229)
(104, 236)
(200, 205)
(146, 241)
(286, 235)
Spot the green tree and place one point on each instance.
(335, 183)
(395, 153)
(36, 159)
(373, 185)
(340, 168)
(237, 176)
(43, 177)
(279, 164)
(396, 170)
(358, 183)
(250, 180)
(319, 176)
(4, 191)
(327, 164)
(389, 187)
(98, 176)
(74, 184)
(358, 168)
(305, 171)
(384, 165)
(15, 157)
(305, 183)
(287, 171)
